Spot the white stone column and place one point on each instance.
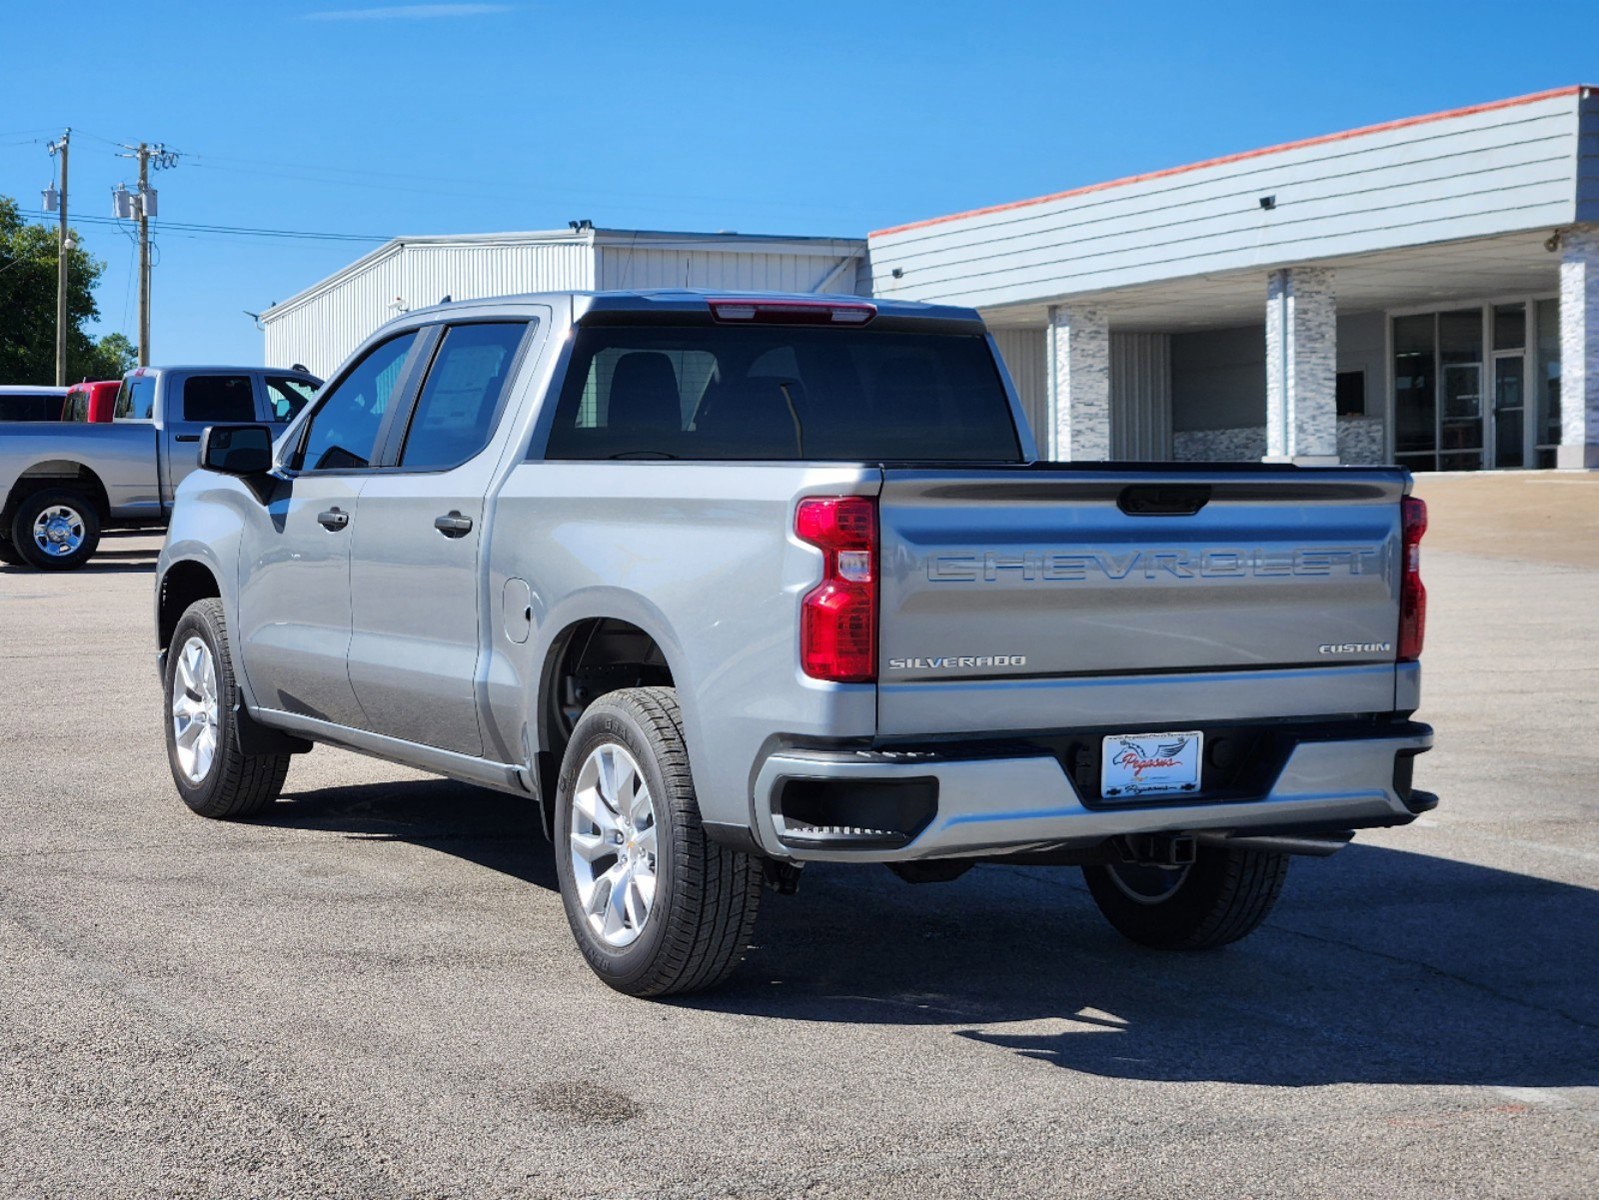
(1301, 367)
(1579, 348)
(1079, 384)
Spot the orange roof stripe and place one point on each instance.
(1321, 140)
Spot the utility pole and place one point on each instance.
(142, 205)
(62, 248)
(144, 255)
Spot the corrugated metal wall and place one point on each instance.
(326, 326)
(322, 331)
(623, 266)
(1024, 352)
(1140, 397)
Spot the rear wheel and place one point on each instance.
(56, 529)
(1223, 895)
(214, 776)
(656, 906)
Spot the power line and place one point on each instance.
(229, 230)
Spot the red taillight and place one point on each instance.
(1412, 594)
(838, 617)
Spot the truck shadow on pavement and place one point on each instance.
(492, 830)
(1378, 965)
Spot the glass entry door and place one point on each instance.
(1510, 371)
(1460, 388)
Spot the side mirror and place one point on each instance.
(236, 449)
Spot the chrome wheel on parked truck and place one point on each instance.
(56, 529)
(612, 844)
(195, 709)
(656, 906)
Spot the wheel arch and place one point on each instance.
(588, 658)
(56, 472)
(183, 582)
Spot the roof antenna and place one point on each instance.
(446, 299)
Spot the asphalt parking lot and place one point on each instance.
(374, 992)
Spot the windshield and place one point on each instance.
(782, 392)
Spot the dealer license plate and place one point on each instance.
(1150, 764)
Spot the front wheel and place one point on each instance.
(215, 777)
(656, 907)
(1223, 895)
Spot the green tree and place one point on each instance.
(28, 308)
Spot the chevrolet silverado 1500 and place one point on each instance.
(726, 585)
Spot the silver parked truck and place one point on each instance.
(62, 483)
(728, 585)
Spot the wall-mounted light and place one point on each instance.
(898, 272)
(1268, 202)
(1552, 242)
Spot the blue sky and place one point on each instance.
(817, 118)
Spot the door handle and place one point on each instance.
(333, 519)
(454, 525)
(186, 437)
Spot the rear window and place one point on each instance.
(221, 398)
(28, 407)
(781, 393)
(136, 398)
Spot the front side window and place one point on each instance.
(286, 396)
(136, 398)
(218, 399)
(343, 432)
(707, 391)
(454, 416)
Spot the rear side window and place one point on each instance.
(219, 398)
(136, 398)
(343, 431)
(286, 396)
(454, 417)
(19, 406)
(767, 392)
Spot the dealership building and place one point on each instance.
(1424, 291)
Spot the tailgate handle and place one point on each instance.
(1163, 499)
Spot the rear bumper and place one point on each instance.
(1011, 803)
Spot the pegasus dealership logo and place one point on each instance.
(1076, 566)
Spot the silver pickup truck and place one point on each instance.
(62, 483)
(727, 585)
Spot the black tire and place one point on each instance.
(236, 785)
(1220, 898)
(86, 527)
(706, 895)
(8, 553)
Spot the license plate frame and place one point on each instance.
(1133, 766)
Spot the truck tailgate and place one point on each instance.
(1084, 574)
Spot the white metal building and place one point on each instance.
(1423, 291)
(321, 325)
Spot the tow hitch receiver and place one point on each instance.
(1157, 849)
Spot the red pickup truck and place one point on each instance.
(91, 402)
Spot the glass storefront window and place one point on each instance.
(1510, 326)
(1415, 414)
